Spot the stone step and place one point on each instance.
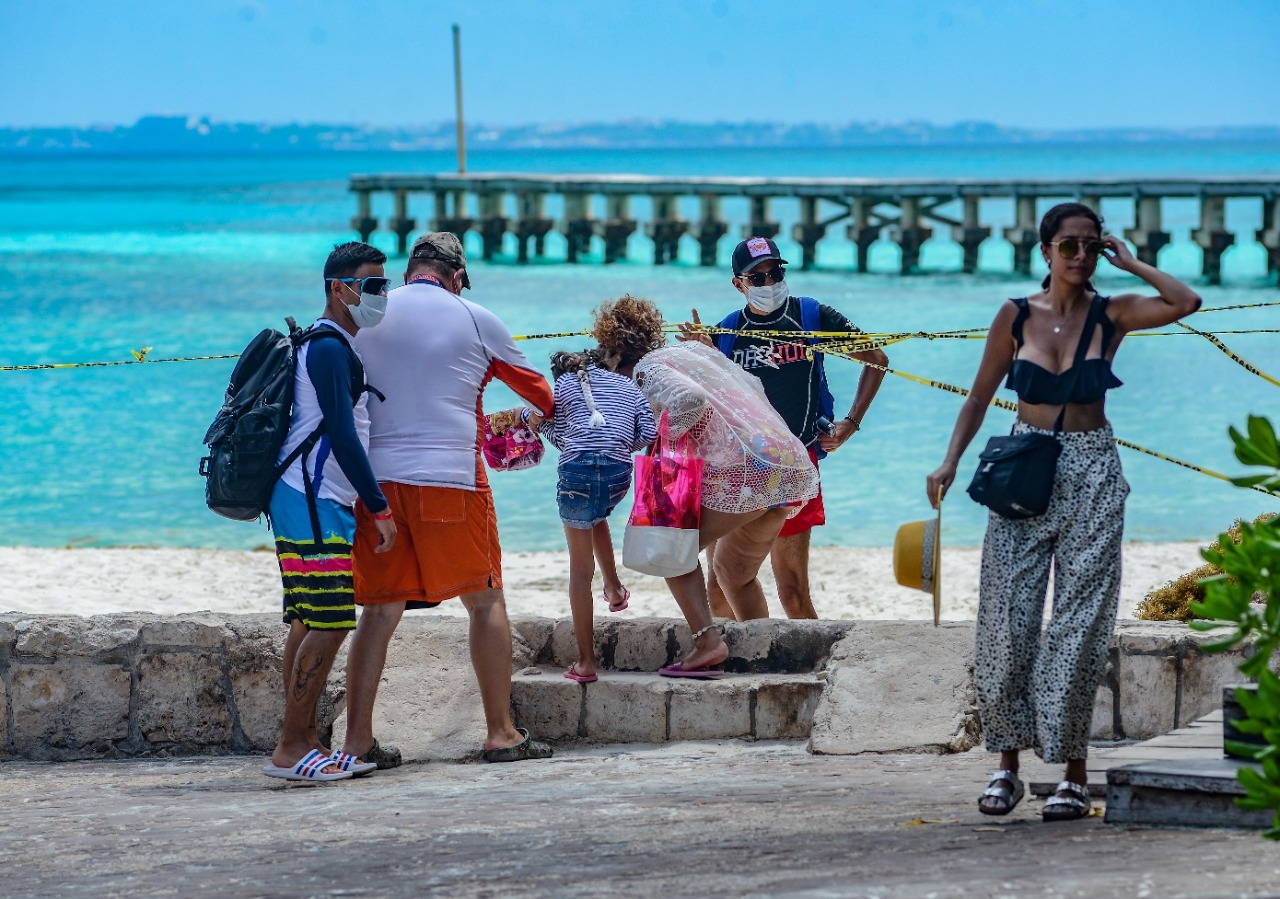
(630, 707)
(1190, 793)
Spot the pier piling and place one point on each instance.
(531, 223)
(1213, 236)
(400, 224)
(666, 228)
(760, 224)
(618, 227)
(862, 230)
(492, 223)
(1269, 234)
(579, 227)
(808, 231)
(711, 227)
(363, 221)
(970, 235)
(1025, 234)
(1146, 234)
(910, 234)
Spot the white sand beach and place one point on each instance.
(847, 583)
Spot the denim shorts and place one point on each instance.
(590, 487)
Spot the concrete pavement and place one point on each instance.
(723, 818)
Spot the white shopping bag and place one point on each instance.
(666, 552)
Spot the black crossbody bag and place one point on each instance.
(1015, 472)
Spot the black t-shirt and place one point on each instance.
(789, 375)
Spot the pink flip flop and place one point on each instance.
(678, 670)
(573, 674)
(626, 601)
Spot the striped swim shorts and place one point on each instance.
(318, 589)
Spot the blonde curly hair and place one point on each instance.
(626, 329)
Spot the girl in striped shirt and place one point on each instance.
(601, 418)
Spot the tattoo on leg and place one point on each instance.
(302, 682)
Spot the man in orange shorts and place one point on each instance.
(436, 352)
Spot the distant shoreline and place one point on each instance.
(199, 136)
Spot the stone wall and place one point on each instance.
(137, 685)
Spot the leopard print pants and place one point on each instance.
(1037, 691)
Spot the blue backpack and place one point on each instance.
(810, 320)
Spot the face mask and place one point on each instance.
(769, 297)
(373, 306)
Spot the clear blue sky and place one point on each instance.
(1033, 63)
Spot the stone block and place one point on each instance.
(644, 644)
(1156, 637)
(548, 705)
(750, 643)
(784, 709)
(1203, 677)
(8, 632)
(255, 627)
(59, 638)
(200, 631)
(564, 645)
(627, 709)
(1104, 711)
(68, 710)
(536, 634)
(899, 686)
(1148, 693)
(181, 699)
(4, 721)
(711, 710)
(257, 688)
(428, 701)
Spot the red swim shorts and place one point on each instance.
(811, 514)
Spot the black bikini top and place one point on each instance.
(1086, 381)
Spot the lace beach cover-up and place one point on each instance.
(751, 459)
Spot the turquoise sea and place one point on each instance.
(193, 256)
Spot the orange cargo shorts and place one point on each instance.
(446, 545)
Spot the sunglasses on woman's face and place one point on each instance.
(760, 279)
(1069, 247)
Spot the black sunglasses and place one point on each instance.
(1070, 246)
(367, 285)
(760, 279)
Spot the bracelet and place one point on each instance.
(857, 422)
(384, 515)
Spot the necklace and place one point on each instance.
(1057, 329)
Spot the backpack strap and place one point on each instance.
(811, 320)
(732, 322)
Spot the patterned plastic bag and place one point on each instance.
(510, 445)
(662, 532)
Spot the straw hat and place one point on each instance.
(917, 558)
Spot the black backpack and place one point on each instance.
(245, 438)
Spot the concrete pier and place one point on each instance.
(912, 209)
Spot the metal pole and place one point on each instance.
(457, 88)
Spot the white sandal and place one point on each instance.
(1007, 798)
(1067, 808)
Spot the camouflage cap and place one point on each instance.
(444, 246)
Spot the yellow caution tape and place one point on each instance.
(1006, 404)
(1238, 360)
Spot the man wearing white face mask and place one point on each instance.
(312, 515)
(795, 382)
